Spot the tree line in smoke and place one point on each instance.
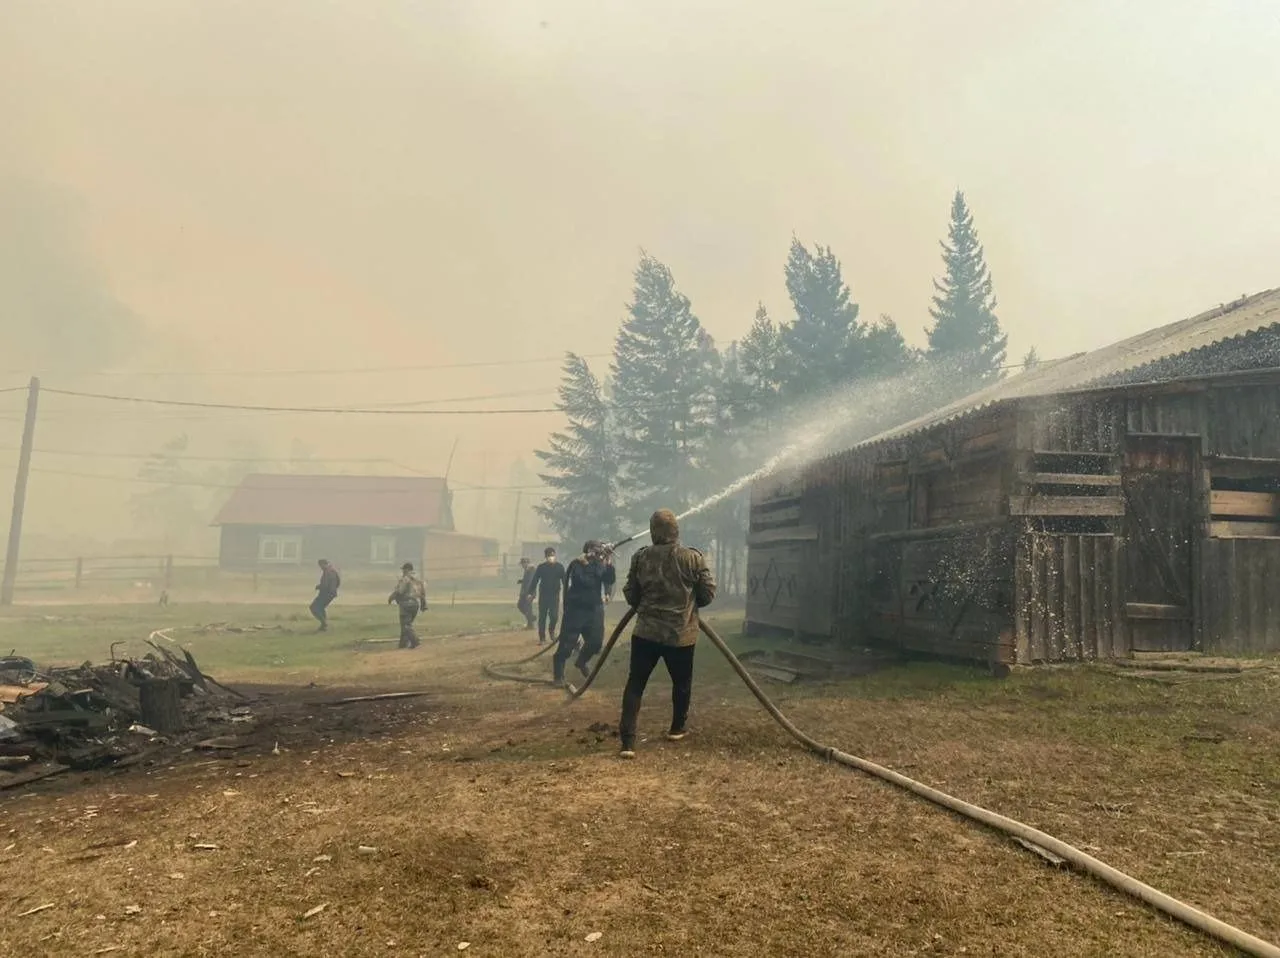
(676, 418)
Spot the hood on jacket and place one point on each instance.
(663, 527)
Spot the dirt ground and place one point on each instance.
(492, 815)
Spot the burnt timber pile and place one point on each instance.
(90, 716)
(1121, 501)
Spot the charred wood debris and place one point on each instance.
(127, 711)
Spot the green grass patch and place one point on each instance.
(231, 638)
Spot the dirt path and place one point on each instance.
(501, 819)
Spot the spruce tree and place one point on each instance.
(965, 340)
(663, 386)
(582, 461)
(757, 362)
(825, 346)
(823, 343)
(1031, 360)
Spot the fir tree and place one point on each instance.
(886, 352)
(1031, 360)
(582, 461)
(965, 338)
(754, 369)
(663, 384)
(823, 344)
(825, 347)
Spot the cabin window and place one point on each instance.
(382, 550)
(282, 549)
(1244, 499)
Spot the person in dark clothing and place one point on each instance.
(548, 580)
(524, 601)
(586, 579)
(326, 592)
(667, 584)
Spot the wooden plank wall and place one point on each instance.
(1069, 605)
(1239, 603)
(1075, 424)
(947, 593)
(1244, 421)
(1240, 600)
(774, 577)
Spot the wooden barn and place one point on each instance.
(1122, 500)
(279, 521)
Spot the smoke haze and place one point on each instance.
(191, 188)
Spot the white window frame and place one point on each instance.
(385, 557)
(280, 550)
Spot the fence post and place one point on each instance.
(79, 571)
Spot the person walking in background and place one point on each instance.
(585, 581)
(667, 584)
(410, 594)
(524, 602)
(548, 580)
(326, 592)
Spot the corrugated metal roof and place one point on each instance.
(1083, 370)
(385, 501)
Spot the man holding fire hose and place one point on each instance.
(667, 584)
(586, 580)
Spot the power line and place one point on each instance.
(301, 487)
(403, 408)
(493, 363)
(92, 454)
(327, 410)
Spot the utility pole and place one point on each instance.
(20, 494)
(515, 532)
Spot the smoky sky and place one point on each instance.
(59, 311)
(366, 183)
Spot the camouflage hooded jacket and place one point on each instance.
(667, 584)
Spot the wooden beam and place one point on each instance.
(1244, 530)
(1151, 610)
(1068, 479)
(1066, 506)
(1260, 505)
(789, 534)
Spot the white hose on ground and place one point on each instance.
(1117, 879)
(1087, 863)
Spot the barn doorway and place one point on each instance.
(1159, 522)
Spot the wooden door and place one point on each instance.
(1159, 525)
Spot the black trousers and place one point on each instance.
(318, 606)
(408, 612)
(525, 605)
(548, 614)
(645, 656)
(589, 625)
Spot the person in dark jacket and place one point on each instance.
(586, 579)
(524, 601)
(326, 592)
(548, 580)
(667, 584)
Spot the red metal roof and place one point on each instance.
(385, 501)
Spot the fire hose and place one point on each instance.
(1094, 867)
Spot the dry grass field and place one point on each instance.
(493, 815)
